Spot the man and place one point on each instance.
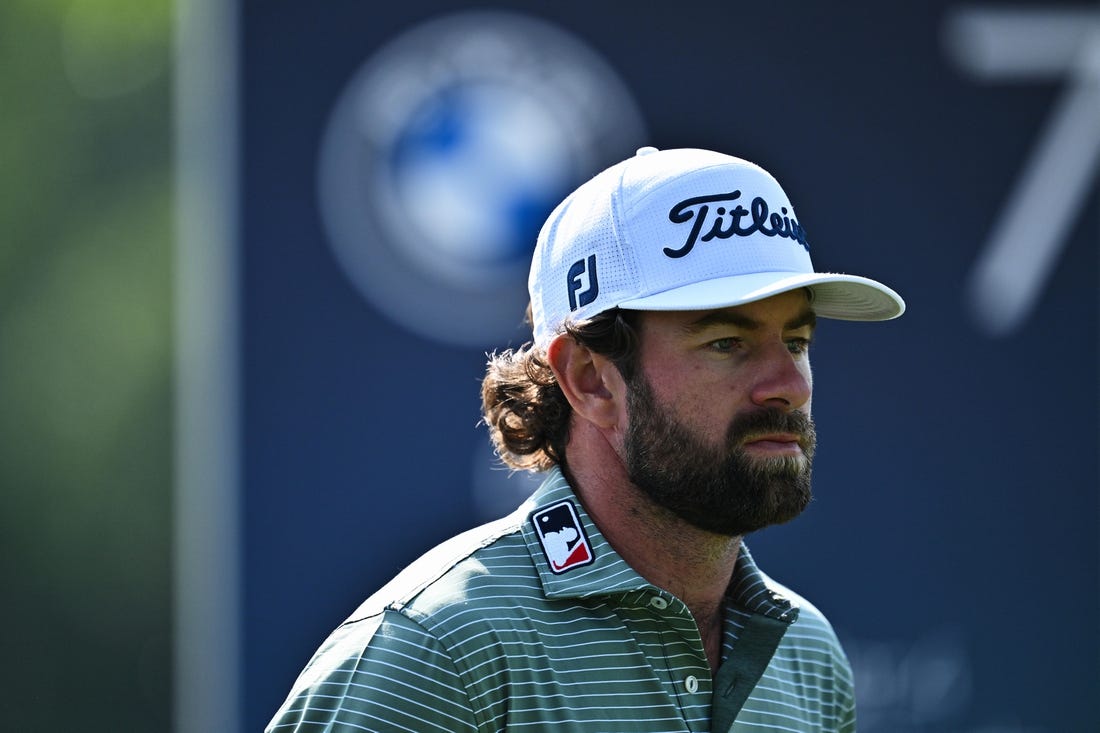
(666, 394)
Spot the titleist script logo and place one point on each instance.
(726, 222)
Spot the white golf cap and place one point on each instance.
(683, 229)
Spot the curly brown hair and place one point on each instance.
(522, 404)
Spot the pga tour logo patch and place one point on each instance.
(562, 537)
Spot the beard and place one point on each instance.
(720, 489)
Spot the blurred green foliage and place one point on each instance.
(85, 364)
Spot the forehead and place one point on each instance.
(785, 311)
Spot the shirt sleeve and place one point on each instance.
(846, 704)
(848, 718)
(385, 673)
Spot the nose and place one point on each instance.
(783, 380)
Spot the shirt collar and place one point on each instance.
(752, 590)
(608, 573)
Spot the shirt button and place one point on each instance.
(691, 684)
(659, 603)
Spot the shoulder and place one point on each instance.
(812, 627)
(756, 591)
(811, 620)
(810, 671)
(394, 659)
(382, 673)
(811, 639)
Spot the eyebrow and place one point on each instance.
(730, 318)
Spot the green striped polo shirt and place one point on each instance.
(484, 634)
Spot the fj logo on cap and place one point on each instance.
(726, 222)
(562, 537)
(583, 285)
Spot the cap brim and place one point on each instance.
(845, 297)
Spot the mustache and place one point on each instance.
(771, 420)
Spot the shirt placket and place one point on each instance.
(678, 657)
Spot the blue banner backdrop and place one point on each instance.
(396, 162)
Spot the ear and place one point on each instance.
(591, 383)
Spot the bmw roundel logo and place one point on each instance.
(447, 151)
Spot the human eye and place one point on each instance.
(798, 346)
(724, 345)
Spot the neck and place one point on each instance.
(693, 564)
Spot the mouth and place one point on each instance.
(774, 444)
